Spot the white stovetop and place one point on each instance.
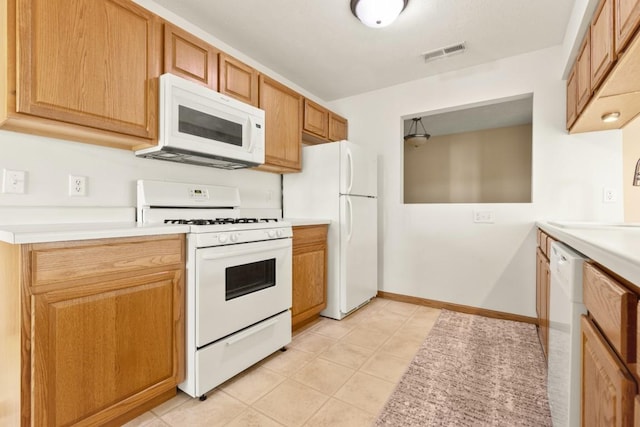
(615, 246)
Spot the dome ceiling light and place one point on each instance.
(414, 138)
(377, 13)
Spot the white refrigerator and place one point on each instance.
(338, 182)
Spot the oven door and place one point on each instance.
(239, 285)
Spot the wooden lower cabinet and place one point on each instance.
(104, 341)
(542, 298)
(309, 273)
(608, 388)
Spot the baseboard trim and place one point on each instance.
(458, 307)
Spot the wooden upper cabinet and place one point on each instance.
(90, 63)
(283, 121)
(238, 80)
(337, 127)
(572, 98)
(316, 119)
(189, 57)
(602, 49)
(608, 389)
(627, 20)
(583, 74)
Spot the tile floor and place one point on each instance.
(334, 373)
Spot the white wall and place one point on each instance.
(435, 251)
(111, 174)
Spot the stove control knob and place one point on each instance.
(223, 238)
(271, 234)
(279, 232)
(234, 237)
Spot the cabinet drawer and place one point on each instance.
(62, 262)
(303, 235)
(613, 307)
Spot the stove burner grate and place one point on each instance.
(218, 221)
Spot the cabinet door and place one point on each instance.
(101, 349)
(189, 57)
(283, 120)
(572, 98)
(309, 273)
(583, 73)
(316, 119)
(602, 50)
(608, 389)
(337, 127)
(545, 273)
(238, 80)
(91, 63)
(627, 19)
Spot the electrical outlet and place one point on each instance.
(13, 181)
(487, 217)
(77, 185)
(609, 195)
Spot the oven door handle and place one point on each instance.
(219, 255)
(246, 334)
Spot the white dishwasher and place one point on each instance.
(565, 309)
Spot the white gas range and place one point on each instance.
(238, 282)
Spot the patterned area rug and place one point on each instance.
(473, 371)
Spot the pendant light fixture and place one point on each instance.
(377, 13)
(414, 138)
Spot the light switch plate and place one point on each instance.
(13, 182)
(487, 217)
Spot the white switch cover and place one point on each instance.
(487, 217)
(77, 185)
(13, 181)
(609, 195)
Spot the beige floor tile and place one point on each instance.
(404, 308)
(287, 362)
(291, 403)
(312, 343)
(402, 347)
(217, 410)
(252, 384)
(332, 328)
(349, 355)
(384, 322)
(426, 313)
(366, 392)
(378, 303)
(414, 330)
(385, 366)
(252, 418)
(148, 419)
(366, 337)
(324, 376)
(180, 398)
(336, 413)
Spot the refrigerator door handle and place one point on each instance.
(350, 218)
(350, 158)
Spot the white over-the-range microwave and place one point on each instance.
(203, 127)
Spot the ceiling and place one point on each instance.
(320, 46)
(494, 114)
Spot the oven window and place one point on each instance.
(200, 124)
(247, 278)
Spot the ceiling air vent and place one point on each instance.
(444, 51)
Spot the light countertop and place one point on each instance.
(615, 246)
(38, 233)
(299, 222)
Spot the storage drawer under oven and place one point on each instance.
(223, 359)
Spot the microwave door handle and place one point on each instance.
(253, 132)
